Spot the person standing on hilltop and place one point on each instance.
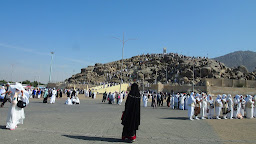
(131, 114)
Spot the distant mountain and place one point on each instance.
(234, 59)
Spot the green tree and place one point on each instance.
(26, 82)
(3, 82)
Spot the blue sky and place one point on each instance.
(81, 32)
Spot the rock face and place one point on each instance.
(171, 68)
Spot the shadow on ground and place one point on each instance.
(177, 118)
(92, 138)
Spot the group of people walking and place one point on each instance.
(114, 97)
(205, 106)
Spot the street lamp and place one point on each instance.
(166, 75)
(193, 75)
(50, 76)
(123, 42)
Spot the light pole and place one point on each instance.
(193, 75)
(166, 75)
(123, 42)
(50, 76)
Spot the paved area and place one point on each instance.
(96, 122)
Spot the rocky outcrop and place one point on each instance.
(151, 68)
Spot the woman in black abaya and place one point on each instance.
(131, 114)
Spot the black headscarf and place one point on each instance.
(131, 116)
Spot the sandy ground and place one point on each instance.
(235, 130)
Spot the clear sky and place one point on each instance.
(81, 32)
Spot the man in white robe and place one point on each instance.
(218, 106)
(230, 107)
(181, 101)
(52, 100)
(86, 93)
(114, 97)
(16, 114)
(224, 106)
(254, 111)
(176, 101)
(237, 106)
(77, 100)
(68, 101)
(172, 102)
(203, 106)
(145, 100)
(242, 105)
(186, 101)
(210, 106)
(191, 106)
(121, 98)
(249, 107)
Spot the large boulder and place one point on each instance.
(206, 71)
(242, 69)
(187, 73)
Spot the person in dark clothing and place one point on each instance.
(68, 93)
(73, 94)
(131, 114)
(168, 100)
(90, 93)
(60, 93)
(104, 97)
(7, 93)
(162, 99)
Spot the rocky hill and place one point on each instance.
(171, 68)
(238, 58)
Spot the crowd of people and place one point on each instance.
(113, 97)
(205, 106)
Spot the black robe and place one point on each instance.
(131, 114)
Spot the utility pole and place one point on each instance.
(123, 42)
(156, 77)
(50, 76)
(193, 74)
(166, 75)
